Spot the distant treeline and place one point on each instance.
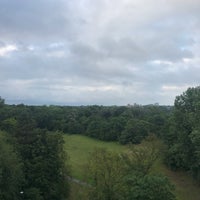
(126, 124)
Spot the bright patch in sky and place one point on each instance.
(5, 50)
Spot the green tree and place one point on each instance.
(105, 174)
(44, 165)
(184, 142)
(139, 181)
(140, 159)
(195, 139)
(11, 175)
(9, 125)
(2, 102)
(150, 187)
(135, 131)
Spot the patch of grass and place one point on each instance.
(186, 187)
(79, 147)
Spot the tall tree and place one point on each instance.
(105, 175)
(183, 152)
(2, 102)
(44, 164)
(11, 175)
(135, 131)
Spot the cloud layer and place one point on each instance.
(84, 52)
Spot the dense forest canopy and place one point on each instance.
(110, 123)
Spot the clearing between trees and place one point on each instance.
(79, 148)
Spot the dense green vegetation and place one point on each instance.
(128, 176)
(33, 137)
(32, 160)
(11, 175)
(114, 123)
(183, 138)
(80, 148)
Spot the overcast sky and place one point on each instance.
(108, 52)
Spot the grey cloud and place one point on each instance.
(86, 52)
(150, 44)
(32, 20)
(124, 48)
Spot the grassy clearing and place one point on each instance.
(186, 188)
(79, 148)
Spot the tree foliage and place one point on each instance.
(42, 157)
(150, 187)
(11, 175)
(2, 102)
(44, 165)
(105, 174)
(140, 159)
(129, 175)
(184, 140)
(135, 131)
(114, 123)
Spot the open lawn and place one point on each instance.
(79, 147)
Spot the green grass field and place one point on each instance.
(79, 147)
